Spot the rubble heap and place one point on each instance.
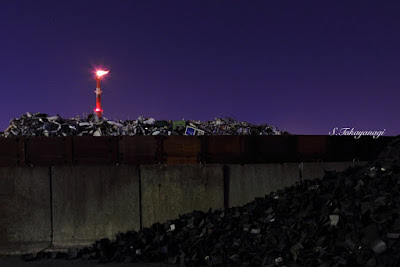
(43, 125)
(346, 219)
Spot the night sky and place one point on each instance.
(302, 66)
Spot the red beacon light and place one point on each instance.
(98, 110)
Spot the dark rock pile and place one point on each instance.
(42, 125)
(346, 219)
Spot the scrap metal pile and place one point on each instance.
(345, 219)
(42, 125)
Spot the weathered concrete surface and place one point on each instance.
(257, 180)
(94, 202)
(25, 213)
(312, 170)
(170, 190)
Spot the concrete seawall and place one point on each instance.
(93, 202)
(25, 209)
(168, 191)
(76, 205)
(257, 180)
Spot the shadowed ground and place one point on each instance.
(17, 261)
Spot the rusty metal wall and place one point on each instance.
(139, 150)
(182, 149)
(135, 150)
(225, 149)
(311, 148)
(11, 152)
(99, 150)
(272, 149)
(45, 151)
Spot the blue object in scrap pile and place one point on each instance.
(193, 131)
(190, 130)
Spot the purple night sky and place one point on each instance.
(302, 66)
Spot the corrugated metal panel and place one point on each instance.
(182, 149)
(22, 153)
(95, 150)
(46, 151)
(69, 150)
(160, 149)
(139, 149)
(341, 148)
(10, 151)
(364, 148)
(274, 148)
(181, 160)
(115, 150)
(225, 149)
(203, 149)
(186, 149)
(378, 144)
(345, 148)
(248, 150)
(311, 147)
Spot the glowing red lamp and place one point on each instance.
(98, 110)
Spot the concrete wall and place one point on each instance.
(94, 202)
(257, 180)
(170, 190)
(312, 170)
(25, 222)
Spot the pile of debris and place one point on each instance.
(350, 218)
(42, 125)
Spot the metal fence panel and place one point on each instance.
(182, 149)
(274, 148)
(139, 150)
(311, 147)
(95, 150)
(341, 148)
(225, 149)
(46, 151)
(10, 151)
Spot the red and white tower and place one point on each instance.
(98, 110)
